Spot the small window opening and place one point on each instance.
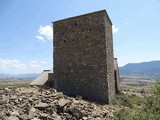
(82, 30)
(90, 29)
(73, 39)
(67, 75)
(64, 41)
(75, 24)
(86, 37)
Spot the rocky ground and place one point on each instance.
(47, 104)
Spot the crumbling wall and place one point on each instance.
(116, 76)
(50, 81)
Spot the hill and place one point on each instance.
(145, 69)
(20, 76)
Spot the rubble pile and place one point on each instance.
(47, 104)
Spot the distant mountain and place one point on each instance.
(20, 76)
(145, 69)
(3, 75)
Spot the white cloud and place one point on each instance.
(12, 63)
(115, 29)
(39, 37)
(7, 64)
(43, 62)
(21, 66)
(45, 32)
(14, 66)
(35, 64)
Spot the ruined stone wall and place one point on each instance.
(51, 79)
(116, 76)
(83, 56)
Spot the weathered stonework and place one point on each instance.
(83, 56)
(116, 76)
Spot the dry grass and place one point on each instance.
(14, 83)
(137, 89)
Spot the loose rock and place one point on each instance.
(48, 104)
(76, 112)
(41, 106)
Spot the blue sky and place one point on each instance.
(26, 30)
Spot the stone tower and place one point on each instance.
(83, 56)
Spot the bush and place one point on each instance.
(123, 114)
(127, 100)
(122, 100)
(149, 110)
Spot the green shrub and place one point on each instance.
(127, 100)
(123, 114)
(149, 109)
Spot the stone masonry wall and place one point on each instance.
(83, 56)
(110, 58)
(116, 76)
